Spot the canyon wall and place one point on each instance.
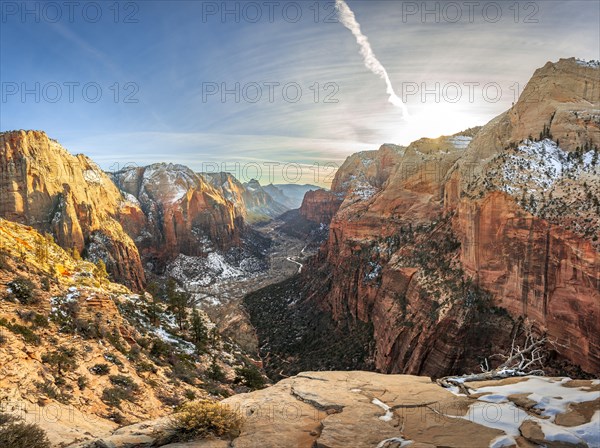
(44, 186)
(447, 245)
(320, 206)
(183, 213)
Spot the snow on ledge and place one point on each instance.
(553, 397)
(592, 64)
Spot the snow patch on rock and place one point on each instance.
(592, 64)
(539, 165)
(460, 141)
(553, 397)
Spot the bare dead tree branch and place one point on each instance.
(519, 362)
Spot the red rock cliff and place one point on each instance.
(320, 206)
(184, 213)
(44, 186)
(432, 237)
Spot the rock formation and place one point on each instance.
(535, 262)
(182, 212)
(320, 206)
(368, 410)
(289, 195)
(445, 245)
(44, 186)
(250, 198)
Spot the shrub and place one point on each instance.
(250, 377)
(51, 391)
(23, 290)
(35, 319)
(100, 369)
(47, 388)
(197, 419)
(88, 329)
(82, 382)
(17, 434)
(215, 372)
(199, 331)
(62, 359)
(64, 313)
(115, 340)
(216, 390)
(113, 396)
(134, 353)
(152, 383)
(112, 358)
(160, 348)
(3, 261)
(124, 389)
(183, 370)
(145, 366)
(46, 284)
(124, 382)
(28, 335)
(7, 418)
(169, 400)
(100, 270)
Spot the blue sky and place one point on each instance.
(174, 51)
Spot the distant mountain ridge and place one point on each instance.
(290, 195)
(250, 198)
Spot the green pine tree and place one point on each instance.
(199, 330)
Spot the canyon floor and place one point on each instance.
(222, 300)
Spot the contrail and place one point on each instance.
(347, 18)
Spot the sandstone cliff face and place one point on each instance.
(44, 186)
(535, 269)
(368, 167)
(320, 206)
(159, 211)
(378, 262)
(564, 97)
(432, 242)
(534, 246)
(183, 213)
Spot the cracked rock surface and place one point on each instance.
(363, 409)
(336, 409)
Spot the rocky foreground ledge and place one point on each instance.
(363, 409)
